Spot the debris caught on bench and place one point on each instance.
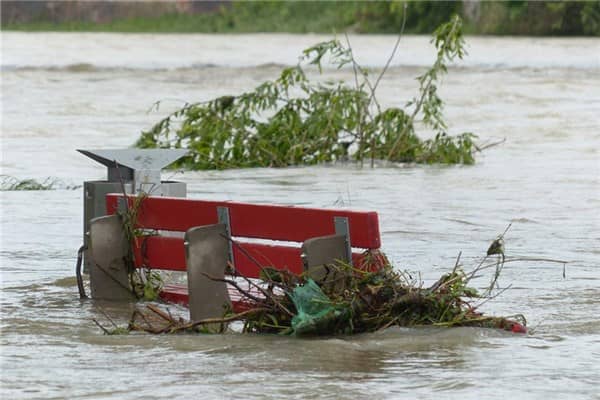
(366, 302)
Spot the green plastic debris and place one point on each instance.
(316, 313)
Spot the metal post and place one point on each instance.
(223, 216)
(342, 227)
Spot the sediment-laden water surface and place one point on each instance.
(61, 92)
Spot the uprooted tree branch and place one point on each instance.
(296, 121)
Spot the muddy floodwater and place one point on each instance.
(61, 92)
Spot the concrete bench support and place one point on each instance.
(207, 253)
(109, 279)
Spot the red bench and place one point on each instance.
(281, 229)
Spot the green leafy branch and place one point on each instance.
(296, 121)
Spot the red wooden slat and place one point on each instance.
(298, 224)
(168, 253)
(160, 252)
(170, 214)
(178, 294)
(280, 257)
(254, 220)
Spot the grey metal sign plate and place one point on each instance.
(135, 159)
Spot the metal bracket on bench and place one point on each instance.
(342, 227)
(122, 205)
(326, 249)
(319, 253)
(223, 216)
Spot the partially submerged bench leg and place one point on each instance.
(109, 278)
(320, 252)
(206, 250)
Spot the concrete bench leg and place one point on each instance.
(206, 252)
(318, 253)
(109, 278)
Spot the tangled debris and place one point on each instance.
(348, 300)
(356, 301)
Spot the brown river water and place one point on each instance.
(61, 92)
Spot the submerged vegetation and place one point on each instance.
(296, 121)
(10, 183)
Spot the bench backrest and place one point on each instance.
(251, 221)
